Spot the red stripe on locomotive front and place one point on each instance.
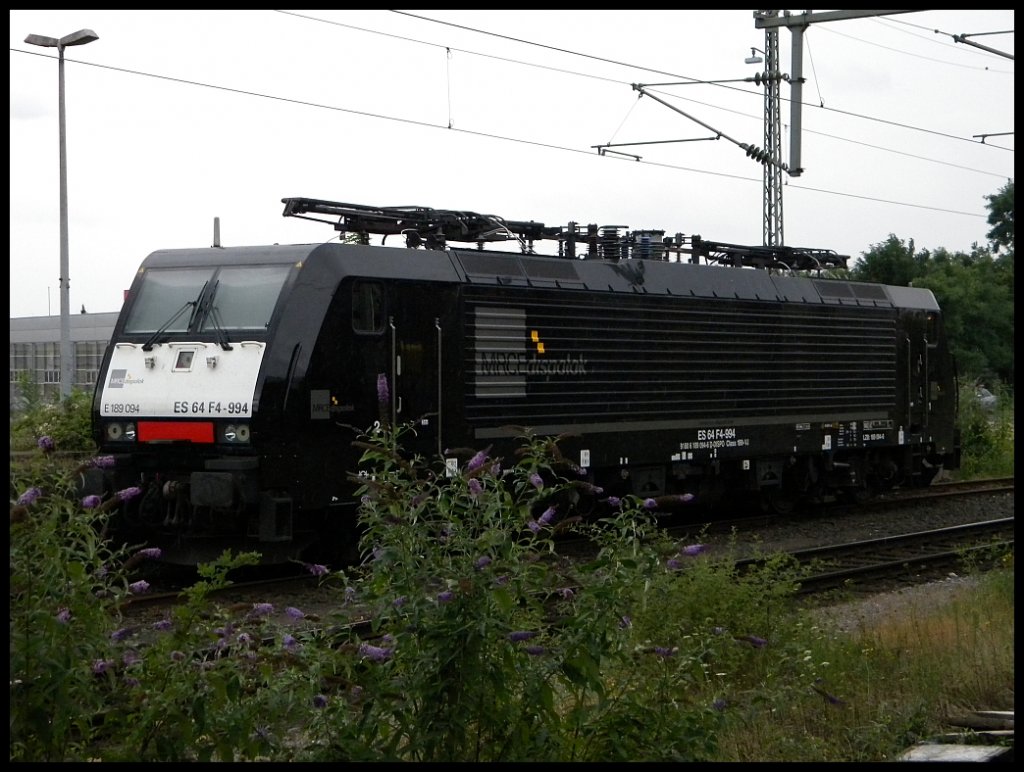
(165, 431)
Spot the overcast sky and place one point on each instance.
(177, 117)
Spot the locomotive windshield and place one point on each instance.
(229, 298)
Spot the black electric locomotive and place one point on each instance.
(236, 377)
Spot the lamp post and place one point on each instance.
(79, 38)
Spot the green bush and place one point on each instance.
(67, 423)
(986, 434)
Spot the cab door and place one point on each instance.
(416, 373)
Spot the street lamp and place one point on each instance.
(79, 38)
(753, 58)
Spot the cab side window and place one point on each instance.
(367, 306)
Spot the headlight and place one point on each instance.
(236, 433)
(119, 432)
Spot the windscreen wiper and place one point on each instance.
(222, 336)
(148, 345)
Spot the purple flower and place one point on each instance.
(398, 602)
(482, 562)
(674, 564)
(131, 657)
(162, 625)
(537, 481)
(319, 701)
(664, 651)
(374, 653)
(120, 635)
(686, 498)
(534, 650)
(478, 460)
(30, 496)
(46, 444)
(445, 596)
(91, 502)
(129, 493)
(139, 587)
(521, 635)
(244, 638)
(149, 552)
(614, 501)
(101, 665)
(650, 504)
(753, 640)
(534, 526)
(502, 580)
(625, 622)
(475, 487)
(294, 613)
(719, 704)
(261, 609)
(63, 615)
(102, 462)
(317, 569)
(495, 469)
(692, 550)
(383, 394)
(177, 656)
(566, 593)
(290, 643)
(548, 515)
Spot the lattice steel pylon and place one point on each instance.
(772, 204)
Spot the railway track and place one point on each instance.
(877, 564)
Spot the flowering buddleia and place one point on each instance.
(445, 597)
(753, 640)
(45, 444)
(482, 562)
(383, 394)
(101, 666)
(150, 552)
(129, 493)
(534, 650)
(29, 496)
(534, 526)
(139, 587)
(521, 635)
(102, 462)
(537, 481)
(374, 653)
(91, 502)
(548, 516)
(289, 643)
(261, 609)
(162, 625)
(692, 550)
(650, 504)
(475, 487)
(121, 634)
(294, 613)
(319, 701)
(316, 569)
(63, 615)
(478, 460)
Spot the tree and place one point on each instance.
(1000, 217)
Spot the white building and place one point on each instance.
(35, 352)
